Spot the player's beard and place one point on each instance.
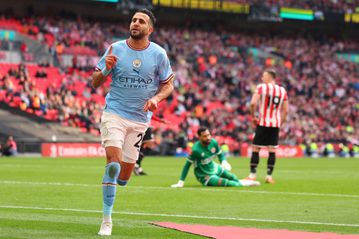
(138, 36)
(205, 142)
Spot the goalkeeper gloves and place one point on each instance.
(226, 165)
(180, 184)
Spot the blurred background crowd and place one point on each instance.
(216, 73)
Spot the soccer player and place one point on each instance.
(141, 78)
(273, 109)
(207, 172)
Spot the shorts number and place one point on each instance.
(138, 143)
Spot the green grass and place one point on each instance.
(61, 198)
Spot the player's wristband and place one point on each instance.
(105, 72)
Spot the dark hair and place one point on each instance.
(271, 72)
(200, 130)
(149, 14)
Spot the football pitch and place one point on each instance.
(62, 198)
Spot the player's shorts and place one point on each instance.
(122, 133)
(204, 179)
(148, 135)
(266, 137)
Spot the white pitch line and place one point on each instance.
(182, 216)
(187, 189)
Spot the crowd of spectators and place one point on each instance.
(88, 37)
(73, 107)
(216, 73)
(323, 90)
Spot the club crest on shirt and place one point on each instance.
(213, 150)
(136, 63)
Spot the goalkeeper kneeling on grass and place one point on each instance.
(206, 171)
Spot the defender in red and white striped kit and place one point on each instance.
(273, 107)
(272, 97)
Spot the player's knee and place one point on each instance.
(122, 182)
(111, 173)
(113, 158)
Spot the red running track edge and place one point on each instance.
(231, 232)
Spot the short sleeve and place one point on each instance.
(259, 89)
(165, 71)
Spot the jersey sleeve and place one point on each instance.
(259, 89)
(185, 170)
(165, 71)
(191, 158)
(219, 152)
(101, 63)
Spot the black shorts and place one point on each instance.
(148, 135)
(266, 136)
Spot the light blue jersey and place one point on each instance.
(135, 79)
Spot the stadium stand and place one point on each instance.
(30, 132)
(216, 74)
(333, 5)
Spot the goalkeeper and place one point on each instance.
(207, 172)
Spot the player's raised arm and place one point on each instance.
(100, 75)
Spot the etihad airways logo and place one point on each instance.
(134, 82)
